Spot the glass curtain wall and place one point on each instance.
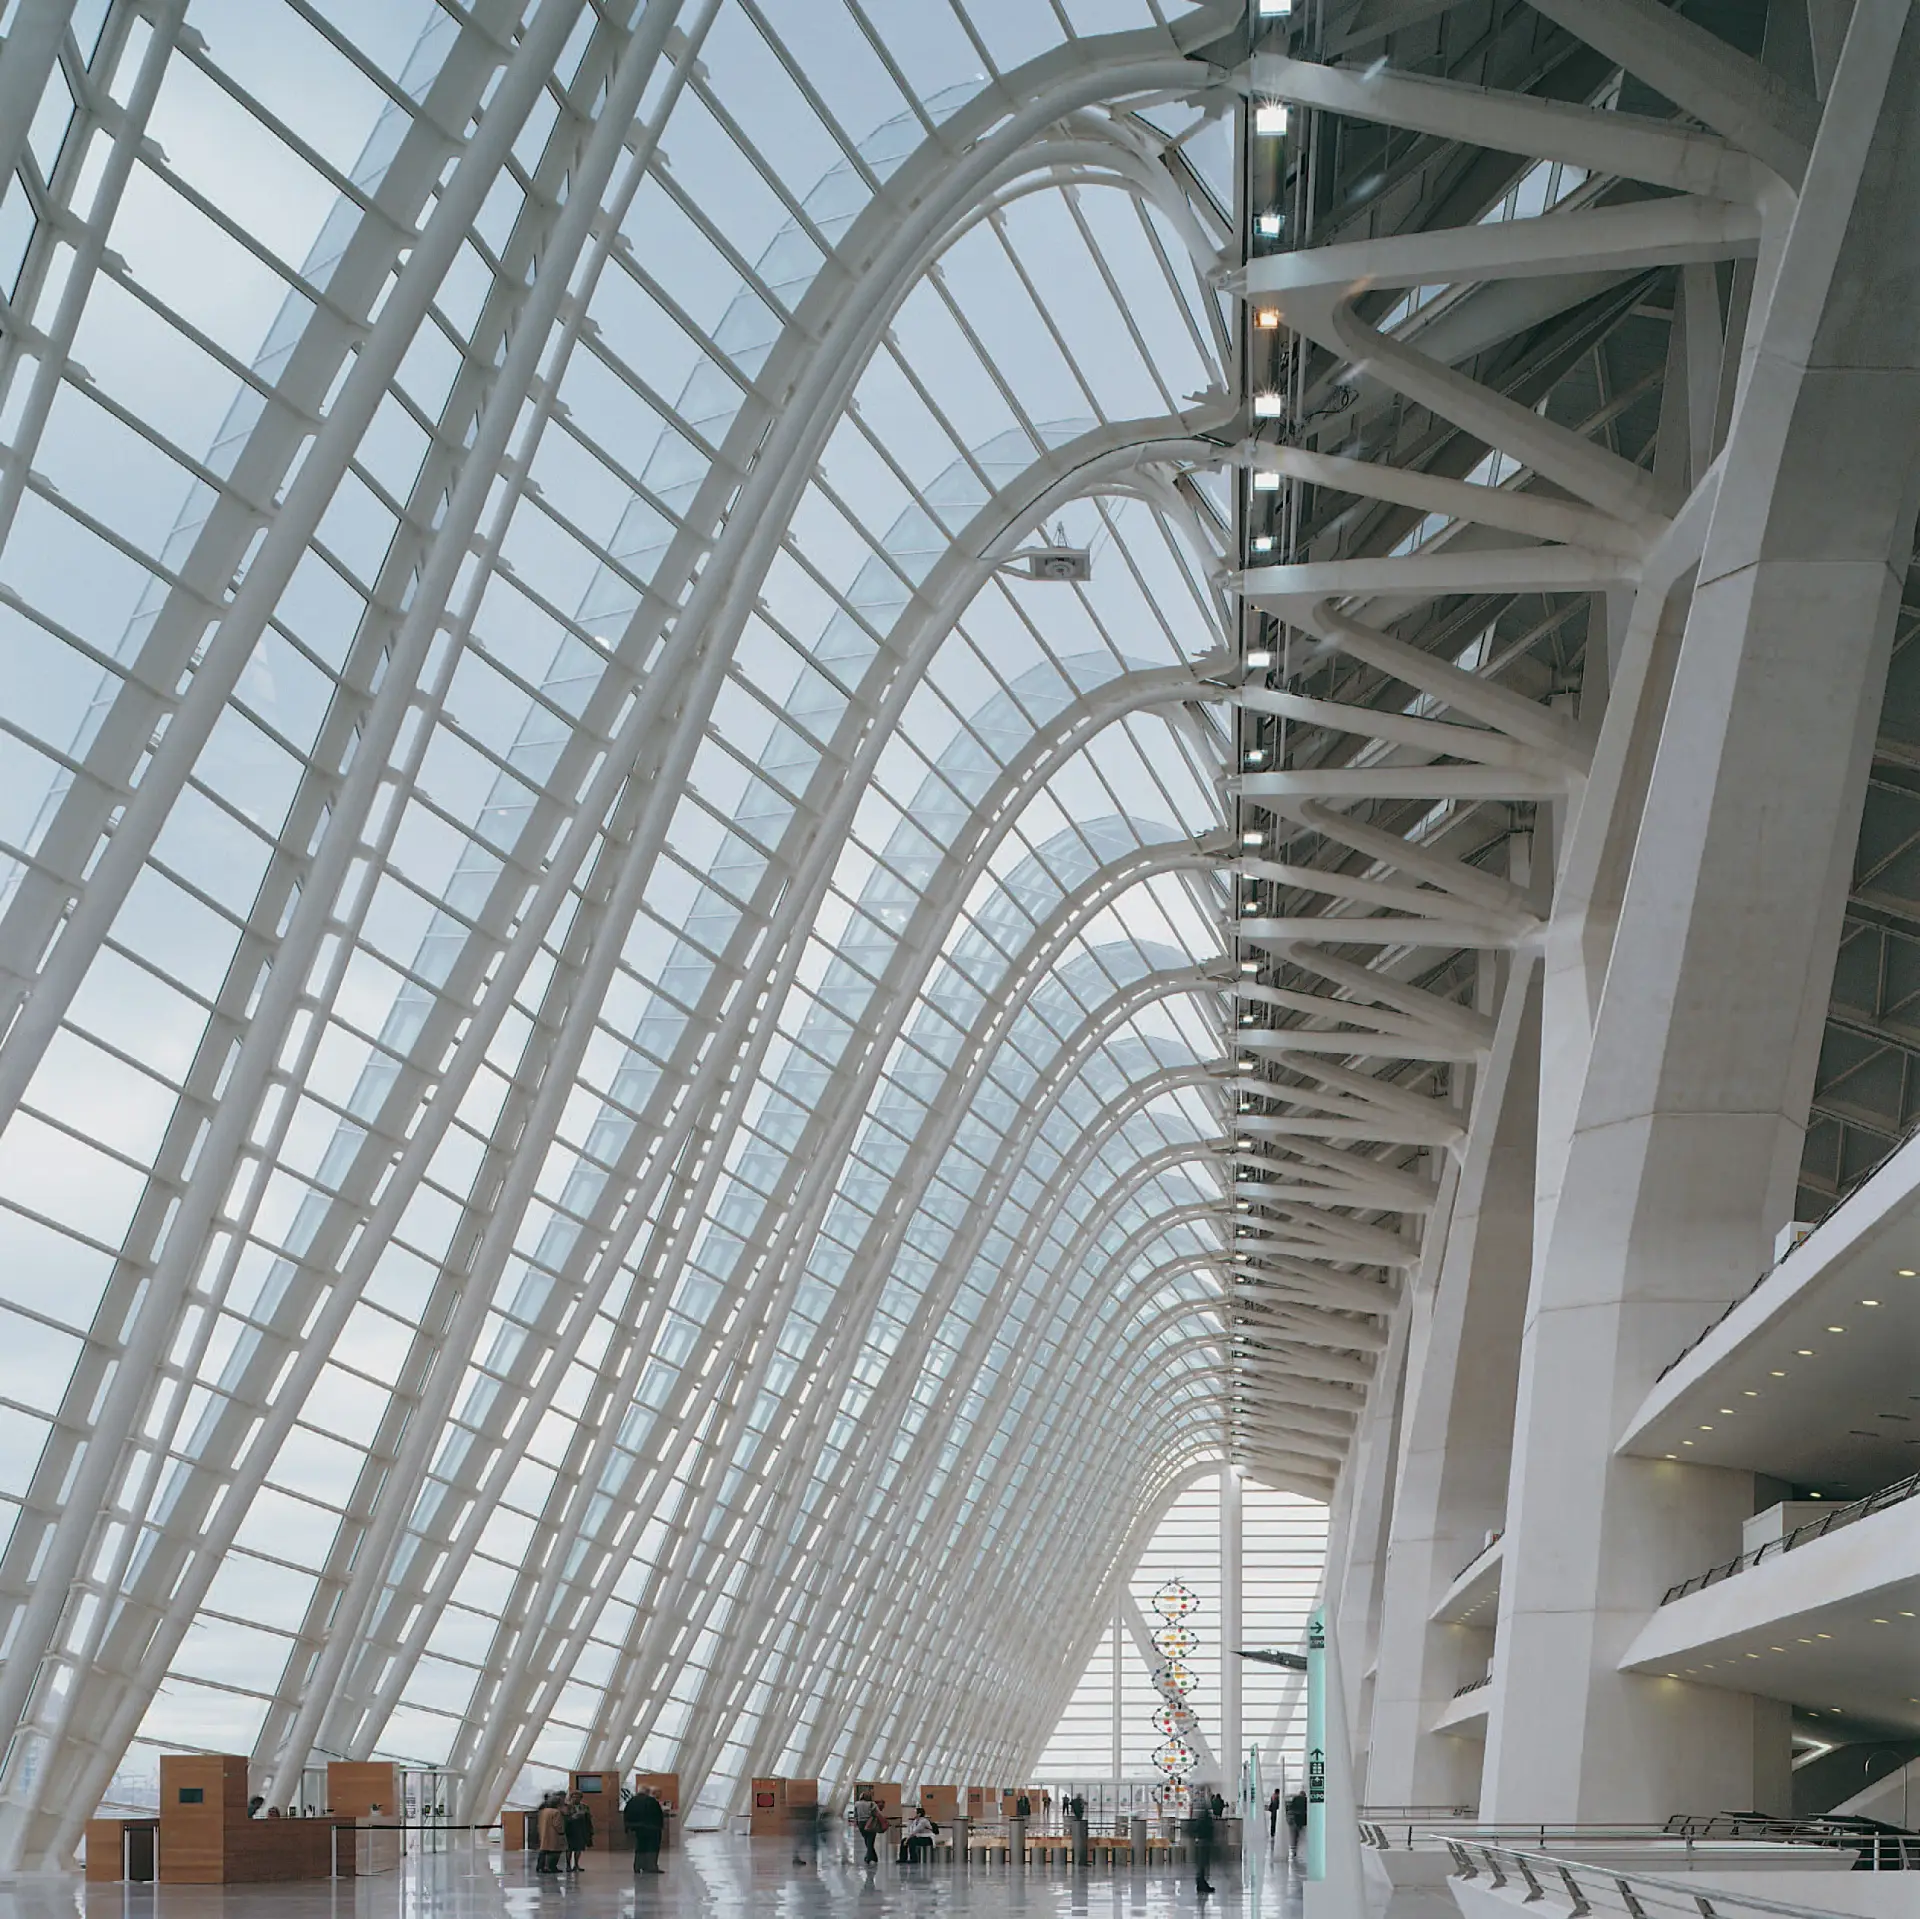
(607, 1013)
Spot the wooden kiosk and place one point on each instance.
(601, 1792)
(203, 1836)
(774, 1803)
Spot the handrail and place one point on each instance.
(1901, 1489)
(1882, 1851)
(1476, 1559)
(1473, 1685)
(1741, 1299)
(1588, 1888)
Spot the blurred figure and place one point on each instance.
(1296, 1824)
(1200, 1829)
(1273, 1815)
(806, 1834)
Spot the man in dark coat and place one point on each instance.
(646, 1821)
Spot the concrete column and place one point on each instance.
(1231, 1628)
(1684, 1140)
(1463, 1367)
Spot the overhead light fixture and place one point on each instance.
(1869, 1302)
(1249, 966)
(1255, 754)
(1273, 9)
(1253, 839)
(1260, 656)
(1267, 225)
(1263, 542)
(1266, 406)
(1246, 1066)
(1266, 481)
(1270, 118)
(1266, 318)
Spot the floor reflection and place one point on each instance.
(710, 1877)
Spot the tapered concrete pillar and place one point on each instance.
(1232, 1741)
(1463, 1367)
(1683, 1144)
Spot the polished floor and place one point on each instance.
(710, 1878)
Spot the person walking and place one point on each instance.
(1200, 1827)
(579, 1817)
(869, 1822)
(646, 1821)
(551, 1829)
(1274, 1803)
(1296, 1824)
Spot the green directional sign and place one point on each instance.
(1317, 1744)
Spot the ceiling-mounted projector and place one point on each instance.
(1072, 563)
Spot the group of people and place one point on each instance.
(563, 1831)
(1295, 1808)
(869, 1819)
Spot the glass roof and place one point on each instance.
(610, 1097)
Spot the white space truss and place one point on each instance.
(649, 1110)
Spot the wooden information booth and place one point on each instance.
(941, 1804)
(600, 1792)
(206, 1839)
(776, 1801)
(364, 1789)
(369, 1790)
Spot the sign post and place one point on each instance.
(1317, 1744)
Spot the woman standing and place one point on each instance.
(551, 1829)
(579, 1818)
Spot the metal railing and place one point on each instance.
(1813, 1529)
(1740, 1300)
(1684, 1838)
(1880, 1849)
(1476, 1559)
(1603, 1889)
(1473, 1685)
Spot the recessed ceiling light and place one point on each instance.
(1907, 1272)
(1750, 1393)
(1726, 1409)
(1805, 1352)
(1776, 1375)
(1686, 1442)
(1706, 1429)
(1836, 1329)
(1869, 1302)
